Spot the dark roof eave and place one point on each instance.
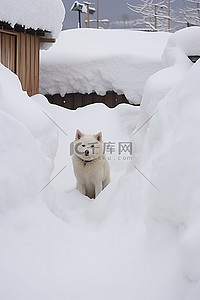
(20, 28)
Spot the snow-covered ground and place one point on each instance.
(90, 60)
(140, 238)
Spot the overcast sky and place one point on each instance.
(110, 9)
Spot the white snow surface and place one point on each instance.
(27, 145)
(38, 14)
(187, 39)
(91, 60)
(140, 238)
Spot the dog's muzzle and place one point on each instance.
(86, 153)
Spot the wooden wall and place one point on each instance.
(20, 53)
(73, 101)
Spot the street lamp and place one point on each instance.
(80, 8)
(97, 14)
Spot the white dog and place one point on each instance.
(91, 167)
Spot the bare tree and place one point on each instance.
(154, 15)
(125, 18)
(191, 12)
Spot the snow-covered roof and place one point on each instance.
(46, 15)
(92, 60)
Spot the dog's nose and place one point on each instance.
(86, 152)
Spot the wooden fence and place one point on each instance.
(73, 101)
(20, 53)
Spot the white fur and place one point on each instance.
(92, 169)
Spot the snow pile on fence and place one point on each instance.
(38, 14)
(87, 61)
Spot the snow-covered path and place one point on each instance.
(103, 249)
(116, 125)
(140, 238)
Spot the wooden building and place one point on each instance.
(75, 100)
(19, 51)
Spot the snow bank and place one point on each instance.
(28, 144)
(170, 160)
(187, 39)
(38, 14)
(155, 203)
(85, 61)
(140, 238)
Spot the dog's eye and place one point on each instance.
(92, 146)
(83, 145)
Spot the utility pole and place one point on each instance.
(169, 15)
(90, 10)
(155, 17)
(97, 14)
(88, 15)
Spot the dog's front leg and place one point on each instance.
(82, 188)
(98, 189)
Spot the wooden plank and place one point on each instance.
(22, 61)
(56, 99)
(13, 53)
(11, 62)
(109, 99)
(8, 32)
(44, 40)
(37, 64)
(32, 66)
(6, 56)
(78, 100)
(97, 98)
(117, 99)
(124, 100)
(3, 52)
(18, 51)
(8, 51)
(69, 98)
(0, 45)
(28, 63)
(87, 99)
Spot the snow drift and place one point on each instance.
(140, 238)
(27, 147)
(90, 60)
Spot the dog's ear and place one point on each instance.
(98, 136)
(79, 134)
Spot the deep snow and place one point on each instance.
(140, 238)
(88, 60)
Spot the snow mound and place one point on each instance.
(140, 238)
(27, 147)
(171, 164)
(187, 40)
(91, 60)
(38, 14)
